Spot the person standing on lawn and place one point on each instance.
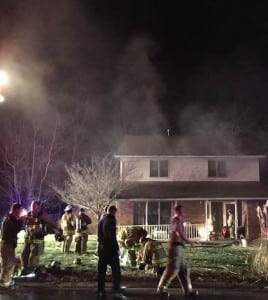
(176, 266)
(11, 226)
(81, 228)
(260, 217)
(265, 213)
(36, 222)
(108, 252)
(68, 228)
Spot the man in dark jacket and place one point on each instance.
(108, 251)
(11, 226)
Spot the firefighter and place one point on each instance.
(154, 256)
(128, 239)
(176, 266)
(36, 229)
(68, 228)
(11, 226)
(231, 223)
(81, 228)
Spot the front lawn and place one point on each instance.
(208, 262)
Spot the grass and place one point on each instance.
(207, 263)
(260, 259)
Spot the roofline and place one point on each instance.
(195, 199)
(190, 156)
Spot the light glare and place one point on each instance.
(3, 78)
(2, 98)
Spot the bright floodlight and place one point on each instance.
(2, 98)
(3, 78)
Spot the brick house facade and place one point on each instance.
(206, 175)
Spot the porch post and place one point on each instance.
(146, 213)
(236, 219)
(206, 220)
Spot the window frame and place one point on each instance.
(159, 169)
(157, 213)
(217, 168)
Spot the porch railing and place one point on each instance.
(160, 232)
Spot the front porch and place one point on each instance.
(160, 232)
(205, 219)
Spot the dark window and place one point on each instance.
(216, 168)
(157, 212)
(153, 213)
(221, 168)
(158, 168)
(153, 168)
(212, 168)
(163, 168)
(139, 213)
(165, 212)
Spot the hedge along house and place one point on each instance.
(207, 176)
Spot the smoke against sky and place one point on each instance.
(138, 87)
(109, 68)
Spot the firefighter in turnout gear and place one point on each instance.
(81, 235)
(68, 228)
(11, 226)
(128, 239)
(176, 266)
(36, 222)
(154, 256)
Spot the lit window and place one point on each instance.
(158, 168)
(216, 168)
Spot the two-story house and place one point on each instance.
(206, 175)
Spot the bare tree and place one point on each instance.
(94, 185)
(27, 152)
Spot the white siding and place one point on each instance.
(191, 169)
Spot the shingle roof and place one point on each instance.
(207, 190)
(185, 145)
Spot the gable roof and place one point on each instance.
(185, 145)
(195, 190)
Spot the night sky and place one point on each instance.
(139, 67)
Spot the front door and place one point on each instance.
(217, 214)
(228, 206)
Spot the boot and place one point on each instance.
(119, 296)
(101, 295)
(192, 294)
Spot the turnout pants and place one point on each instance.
(8, 262)
(31, 252)
(67, 243)
(81, 243)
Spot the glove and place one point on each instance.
(142, 266)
